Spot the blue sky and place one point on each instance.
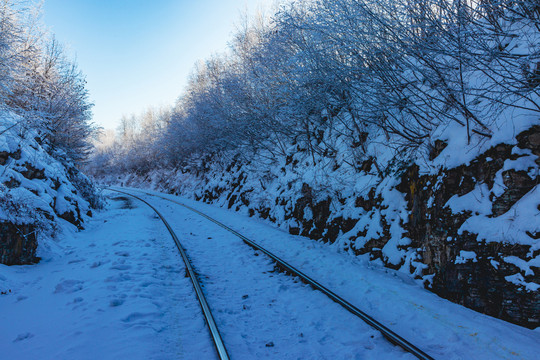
(139, 53)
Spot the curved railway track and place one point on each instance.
(385, 331)
(213, 329)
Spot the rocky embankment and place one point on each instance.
(37, 192)
(470, 232)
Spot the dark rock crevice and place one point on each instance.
(18, 244)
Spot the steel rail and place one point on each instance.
(214, 332)
(385, 331)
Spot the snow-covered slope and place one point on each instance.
(36, 192)
(461, 217)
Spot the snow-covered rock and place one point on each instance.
(36, 192)
(426, 218)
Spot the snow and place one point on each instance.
(115, 291)
(396, 214)
(512, 226)
(458, 152)
(518, 279)
(465, 256)
(523, 265)
(39, 200)
(476, 201)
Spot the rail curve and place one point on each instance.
(212, 327)
(385, 331)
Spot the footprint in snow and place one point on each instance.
(68, 286)
(146, 283)
(77, 303)
(96, 264)
(138, 316)
(116, 302)
(119, 278)
(23, 336)
(121, 267)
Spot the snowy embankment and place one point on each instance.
(117, 290)
(462, 218)
(37, 191)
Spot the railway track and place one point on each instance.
(213, 329)
(385, 331)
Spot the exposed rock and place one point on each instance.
(37, 187)
(12, 183)
(32, 173)
(437, 147)
(4, 155)
(530, 139)
(433, 228)
(517, 183)
(18, 244)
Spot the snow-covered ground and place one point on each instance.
(117, 290)
(114, 291)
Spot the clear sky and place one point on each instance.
(139, 53)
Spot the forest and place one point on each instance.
(366, 71)
(41, 86)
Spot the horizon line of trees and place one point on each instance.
(354, 68)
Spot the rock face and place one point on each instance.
(17, 244)
(480, 282)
